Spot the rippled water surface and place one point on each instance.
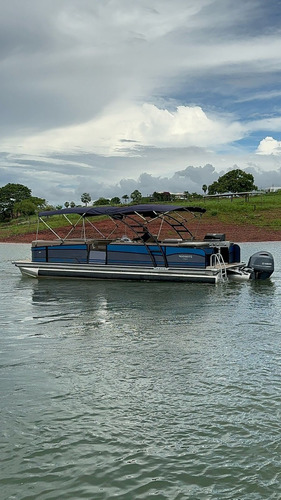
(139, 390)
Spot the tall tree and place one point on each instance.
(86, 198)
(235, 181)
(136, 196)
(125, 197)
(9, 195)
(115, 200)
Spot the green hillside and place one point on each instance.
(262, 210)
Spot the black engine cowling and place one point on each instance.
(262, 264)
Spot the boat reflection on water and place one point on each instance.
(121, 308)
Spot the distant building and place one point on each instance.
(178, 196)
(272, 189)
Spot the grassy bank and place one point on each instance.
(263, 211)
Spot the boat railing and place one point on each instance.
(217, 261)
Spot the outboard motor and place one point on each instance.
(262, 264)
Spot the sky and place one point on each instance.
(109, 96)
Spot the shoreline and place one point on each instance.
(233, 232)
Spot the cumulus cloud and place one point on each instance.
(124, 127)
(269, 146)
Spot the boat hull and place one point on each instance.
(94, 272)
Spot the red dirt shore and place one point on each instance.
(233, 232)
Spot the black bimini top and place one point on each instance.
(146, 210)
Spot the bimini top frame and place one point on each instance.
(145, 213)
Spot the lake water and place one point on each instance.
(139, 390)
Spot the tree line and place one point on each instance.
(234, 181)
(16, 199)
